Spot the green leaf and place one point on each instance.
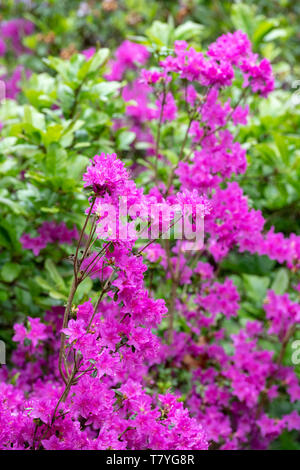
(263, 29)
(66, 96)
(3, 295)
(48, 287)
(83, 290)
(94, 373)
(5, 239)
(243, 18)
(56, 159)
(33, 117)
(104, 90)
(14, 206)
(282, 145)
(171, 156)
(7, 145)
(57, 295)
(59, 65)
(160, 33)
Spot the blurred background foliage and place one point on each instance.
(50, 145)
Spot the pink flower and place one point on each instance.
(269, 426)
(35, 332)
(128, 56)
(75, 330)
(105, 174)
(292, 421)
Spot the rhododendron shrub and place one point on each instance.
(168, 347)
